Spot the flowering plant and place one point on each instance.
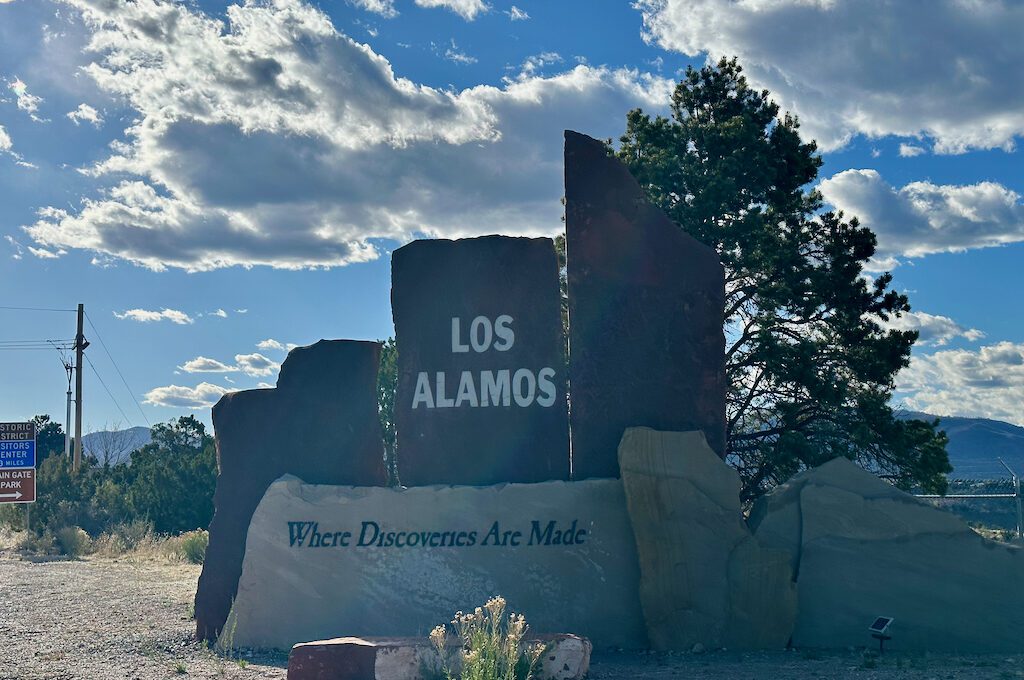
(491, 645)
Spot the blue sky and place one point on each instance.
(217, 181)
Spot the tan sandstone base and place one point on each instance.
(566, 657)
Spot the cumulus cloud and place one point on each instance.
(86, 113)
(254, 365)
(516, 14)
(29, 103)
(357, 154)
(218, 312)
(269, 344)
(202, 395)
(947, 69)
(148, 315)
(923, 218)
(467, 9)
(909, 150)
(206, 365)
(985, 383)
(933, 329)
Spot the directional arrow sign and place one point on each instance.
(18, 486)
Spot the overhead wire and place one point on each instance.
(39, 309)
(109, 394)
(121, 375)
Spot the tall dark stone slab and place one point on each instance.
(481, 379)
(320, 424)
(646, 304)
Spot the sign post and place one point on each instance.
(17, 462)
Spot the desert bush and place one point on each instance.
(39, 544)
(72, 541)
(125, 537)
(190, 546)
(492, 645)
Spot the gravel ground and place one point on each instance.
(104, 619)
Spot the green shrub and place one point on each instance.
(193, 545)
(72, 541)
(491, 645)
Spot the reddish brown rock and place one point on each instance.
(320, 424)
(646, 306)
(481, 378)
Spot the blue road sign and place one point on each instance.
(17, 454)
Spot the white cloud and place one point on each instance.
(986, 383)
(909, 150)
(933, 329)
(946, 69)
(385, 8)
(29, 103)
(241, 311)
(202, 395)
(454, 54)
(206, 365)
(147, 315)
(923, 218)
(516, 14)
(358, 153)
(254, 365)
(269, 344)
(467, 9)
(7, 147)
(219, 312)
(535, 63)
(86, 113)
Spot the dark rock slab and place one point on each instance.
(646, 304)
(320, 424)
(457, 305)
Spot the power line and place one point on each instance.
(39, 309)
(93, 366)
(121, 375)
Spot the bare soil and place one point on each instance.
(102, 618)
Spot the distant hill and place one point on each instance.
(115, 446)
(975, 444)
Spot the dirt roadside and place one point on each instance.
(104, 619)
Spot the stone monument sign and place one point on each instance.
(481, 381)
(646, 306)
(320, 422)
(323, 561)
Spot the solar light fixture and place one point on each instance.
(879, 630)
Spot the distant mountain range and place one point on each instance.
(115, 446)
(976, 444)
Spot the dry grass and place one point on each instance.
(132, 542)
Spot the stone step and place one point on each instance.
(567, 657)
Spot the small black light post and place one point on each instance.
(879, 630)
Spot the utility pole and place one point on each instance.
(67, 421)
(80, 345)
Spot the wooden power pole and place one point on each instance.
(80, 345)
